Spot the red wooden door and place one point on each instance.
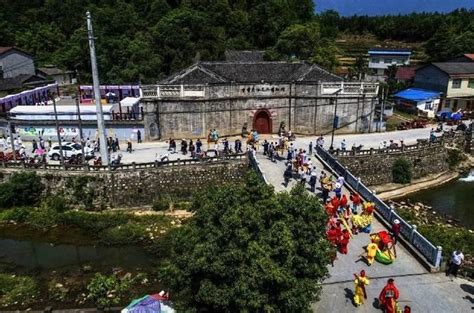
(262, 123)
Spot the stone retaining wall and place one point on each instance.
(376, 168)
(132, 188)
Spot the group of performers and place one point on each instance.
(348, 216)
(388, 297)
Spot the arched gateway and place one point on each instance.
(262, 122)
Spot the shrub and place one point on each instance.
(123, 234)
(43, 218)
(18, 215)
(82, 192)
(106, 291)
(162, 203)
(57, 203)
(455, 156)
(401, 171)
(17, 290)
(21, 189)
(92, 222)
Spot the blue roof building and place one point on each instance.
(380, 59)
(417, 99)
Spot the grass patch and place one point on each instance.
(17, 290)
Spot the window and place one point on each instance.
(457, 83)
(388, 61)
(374, 60)
(470, 84)
(428, 105)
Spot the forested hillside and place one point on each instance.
(145, 40)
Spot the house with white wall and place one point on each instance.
(455, 80)
(380, 59)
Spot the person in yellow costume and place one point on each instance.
(371, 252)
(360, 282)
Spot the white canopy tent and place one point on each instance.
(129, 101)
(65, 112)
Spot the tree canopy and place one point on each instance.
(248, 249)
(144, 40)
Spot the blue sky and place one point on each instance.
(379, 7)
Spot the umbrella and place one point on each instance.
(148, 304)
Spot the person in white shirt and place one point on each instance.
(457, 258)
(3, 144)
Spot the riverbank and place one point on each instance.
(392, 190)
(440, 229)
(54, 258)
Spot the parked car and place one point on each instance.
(69, 149)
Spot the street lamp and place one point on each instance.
(335, 118)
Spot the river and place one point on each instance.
(455, 198)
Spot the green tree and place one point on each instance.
(401, 171)
(248, 249)
(22, 188)
(359, 68)
(299, 40)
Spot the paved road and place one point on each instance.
(423, 291)
(147, 151)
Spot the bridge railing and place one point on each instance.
(120, 167)
(429, 251)
(256, 165)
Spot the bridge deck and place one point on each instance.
(423, 291)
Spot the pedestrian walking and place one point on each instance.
(457, 258)
(117, 146)
(35, 146)
(312, 180)
(139, 136)
(388, 297)
(198, 145)
(395, 232)
(360, 293)
(129, 146)
(41, 143)
(343, 145)
(310, 147)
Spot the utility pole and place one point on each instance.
(80, 130)
(12, 140)
(335, 120)
(57, 129)
(95, 79)
(81, 136)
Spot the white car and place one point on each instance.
(69, 149)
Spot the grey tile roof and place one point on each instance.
(244, 55)
(250, 72)
(457, 68)
(18, 82)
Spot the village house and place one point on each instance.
(61, 77)
(236, 95)
(380, 59)
(14, 62)
(454, 80)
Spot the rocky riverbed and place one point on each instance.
(441, 229)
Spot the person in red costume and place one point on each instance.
(335, 203)
(333, 234)
(342, 203)
(356, 201)
(388, 297)
(344, 241)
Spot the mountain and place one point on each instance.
(393, 7)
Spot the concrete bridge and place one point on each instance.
(420, 288)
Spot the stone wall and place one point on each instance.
(132, 188)
(228, 107)
(375, 167)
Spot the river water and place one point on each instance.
(30, 255)
(455, 198)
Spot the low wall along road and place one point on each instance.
(130, 185)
